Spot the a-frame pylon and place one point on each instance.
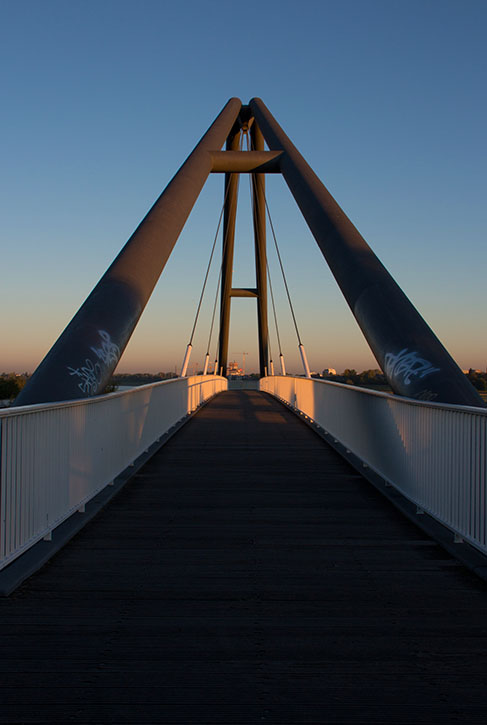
(82, 360)
(259, 216)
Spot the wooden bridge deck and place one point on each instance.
(246, 574)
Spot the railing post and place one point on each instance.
(184, 366)
(304, 360)
(84, 445)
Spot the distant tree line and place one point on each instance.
(11, 384)
(377, 379)
(365, 379)
(478, 379)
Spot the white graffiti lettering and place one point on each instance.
(90, 376)
(90, 373)
(108, 352)
(408, 365)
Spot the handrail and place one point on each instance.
(435, 454)
(16, 410)
(55, 457)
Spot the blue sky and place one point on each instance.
(103, 101)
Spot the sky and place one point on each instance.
(103, 101)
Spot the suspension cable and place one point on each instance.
(214, 312)
(208, 269)
(283, 273)
(274, 309)
(190, 344)
(300, 344)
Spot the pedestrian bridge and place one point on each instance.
(246, 572)
(56, 457)
(64, 441)
(250, 565)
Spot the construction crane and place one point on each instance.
(243, 358)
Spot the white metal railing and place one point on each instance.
(434, 454)
(55, 457)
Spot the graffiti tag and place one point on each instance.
(408, 365)
(90, 374)
(108, 352)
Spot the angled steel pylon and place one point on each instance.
(414, 361)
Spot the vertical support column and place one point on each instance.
(258, 196)
(229, 218)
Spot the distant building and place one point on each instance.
(329, 371)
(233, 369)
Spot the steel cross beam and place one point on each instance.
(244, 162)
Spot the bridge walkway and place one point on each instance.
(246, 574)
